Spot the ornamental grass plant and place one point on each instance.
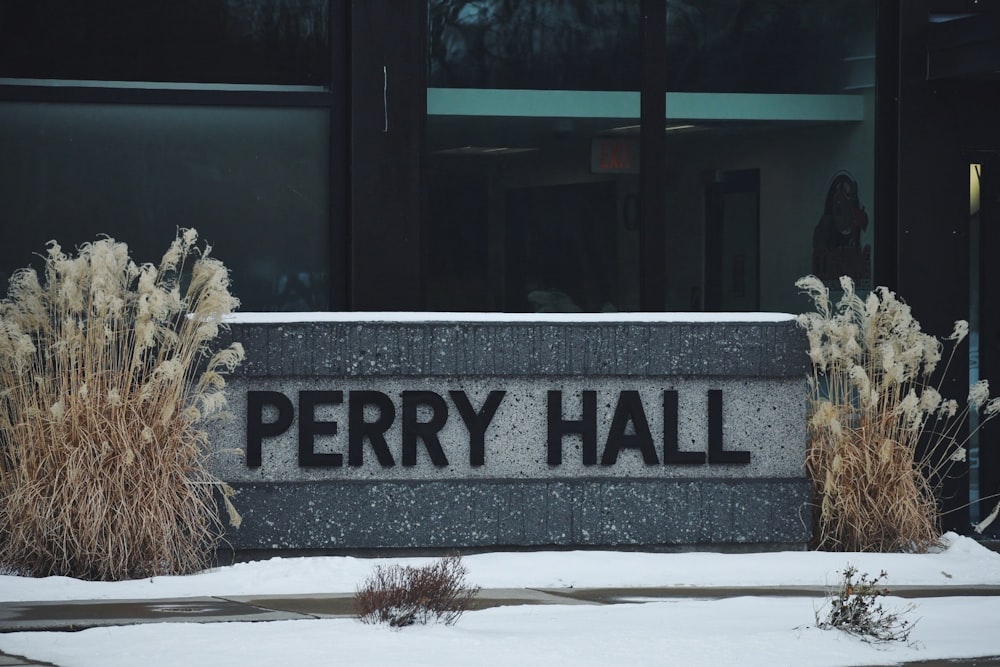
(881, 437)
(105, 375)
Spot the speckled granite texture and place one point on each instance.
(531, 513)
(463, 349)
(634, 493)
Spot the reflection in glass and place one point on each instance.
(221, 41)
(785, 91)
(769, 103)
(774, 46)
(253, 182)
(556, 44)
(533, 148)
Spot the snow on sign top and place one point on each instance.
(540, 318)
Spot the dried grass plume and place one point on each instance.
(881, 436)
(105, 375)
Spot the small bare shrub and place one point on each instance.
(854, 607)
(404, 595)
(881, 437)
(105, 375)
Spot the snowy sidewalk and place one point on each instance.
(75, 615)
(584, 608)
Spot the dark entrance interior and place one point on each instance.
(561, 248)
(732, 240)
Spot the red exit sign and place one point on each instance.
(614, 156)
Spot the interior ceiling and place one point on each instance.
(451, 132)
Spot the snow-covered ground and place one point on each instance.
(741, 630)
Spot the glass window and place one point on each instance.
(533, 150)
(536, 44)
(533, 139)
(254, 183)
(770, 148)
(779, 46)
(200, 41)
(739, 242)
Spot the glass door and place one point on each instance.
(732, 240)
(533, 114)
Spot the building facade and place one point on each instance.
(504, 156)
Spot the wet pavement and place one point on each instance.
(82, 614)
(68, 616)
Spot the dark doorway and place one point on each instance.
(562, 248)
(732, 240)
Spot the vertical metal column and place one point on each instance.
(653, 158)
(388, 117)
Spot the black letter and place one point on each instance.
(477, 422)
(358, 428)
(671, 453)
(309, 428)
(427, 431)
(629, 408)
(585, 427)
(716, 454)
(257, 429)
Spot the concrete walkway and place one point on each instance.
(82, 614)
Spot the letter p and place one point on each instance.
(257, 428)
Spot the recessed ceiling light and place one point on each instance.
(483, 150)
(634, 128)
